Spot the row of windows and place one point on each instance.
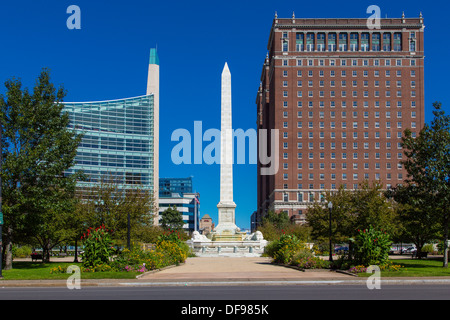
(354, 145)
(354, 114)
(112, 160)
(365, 94)
(343, 165)
(354, 73)
(355, 135)
(355, 155)
(119, 177)
(343, 41)
(355, 104)
(354, 125)
(309, 196)
(345, 176)
(354, 83)
(311, 62)
(95, 142)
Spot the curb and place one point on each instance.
(158, 270)
(213, 282)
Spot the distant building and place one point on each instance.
(167, 186)
(206, 225)
(178, 192)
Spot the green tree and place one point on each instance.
(171, 218)
(37, 148)
(428, 166)
(108, 203)
(343, 217)
(279, 220)
(416, 214)
(352, 210)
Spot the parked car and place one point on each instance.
(411, 250)
(397, 250)
(341, 249)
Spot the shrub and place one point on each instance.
(305, 259)
(21, 252)
(172, 252)
(284, 249)
(372, 247)
(169, 250)
(429, 248)
(98, 248)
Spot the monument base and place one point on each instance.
(228, 245)
(228, 248)
(227, 225)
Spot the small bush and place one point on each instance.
(22, 252)
(305, 259)
(98, 247)
(372, 247)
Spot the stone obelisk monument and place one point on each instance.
(226, 206)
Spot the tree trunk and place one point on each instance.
(8, 250)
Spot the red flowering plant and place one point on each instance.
(98, 247)
(170, 235)
(372, 247)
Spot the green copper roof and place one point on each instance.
(154, 59)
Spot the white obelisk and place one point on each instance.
(226, 205)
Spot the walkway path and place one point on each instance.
(236, 269)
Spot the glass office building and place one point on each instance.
(178, 192)
(118, 140)
(168, 186)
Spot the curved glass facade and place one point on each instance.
(118, 141)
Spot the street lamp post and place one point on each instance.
(330, 207)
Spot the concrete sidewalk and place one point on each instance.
(236, 269)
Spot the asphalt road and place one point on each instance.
(233, 293)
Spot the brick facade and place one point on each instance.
(341, 96)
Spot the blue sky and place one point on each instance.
(108, 59)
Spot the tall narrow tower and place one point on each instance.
(226, 205)
(153, 88)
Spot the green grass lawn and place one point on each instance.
(41, 271)
(416, 268)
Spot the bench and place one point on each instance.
(421, 255)
(62, 254)
(36, 257)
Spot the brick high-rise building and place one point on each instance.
(341, 95)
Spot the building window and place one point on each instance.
(386, 41)
(299, 42)
(376, 42)
(397, 41)
(343, 42)
(412, 46)
(310, 41)
(365, 41)
(321, 42)
(354, 44)
(285, 46)
(332, 42)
